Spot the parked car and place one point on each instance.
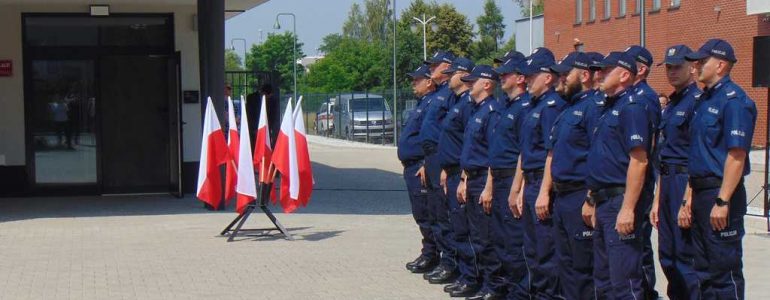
(324, 120)
(363, 117)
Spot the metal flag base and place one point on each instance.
(264, 194)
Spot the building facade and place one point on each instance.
(613, 25)
(91, 97)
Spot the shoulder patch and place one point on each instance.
(731, 93)
(640, 91)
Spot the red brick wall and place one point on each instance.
(692, 24)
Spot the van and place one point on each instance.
(362, 117)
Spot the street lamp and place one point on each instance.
(424, 23)
(232, 45)
(294, 32)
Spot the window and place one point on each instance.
(638, 9)
(676, 3)
(607, 9)
(578, 11)
(621, 8)
(591, 10)
(655, 5)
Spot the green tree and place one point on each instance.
(454, 30)
(537, 7)
(232, 61)
(372, 24)
(354, 65)
(353, 26)
(330, 42)
(276, 53)
(491, 23)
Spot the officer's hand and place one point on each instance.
(520, 203)
(461, 192)
(625, 221)
(588, 214)
(543, 205)
(486, 200)
(512, 204)
(421, 173)
(654, 215)
(719, 215)
(685, 216)
(443, 182)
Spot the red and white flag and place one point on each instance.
(263, 151)
(213, 155)
(233, 142)
(285, 161)
(306, 181)
(246, 188)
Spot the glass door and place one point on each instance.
(63, 122)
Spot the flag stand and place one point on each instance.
(264, 194)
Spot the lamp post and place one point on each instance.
(424, 23)
(294, 33)
(232, 45)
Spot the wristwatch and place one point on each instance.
(719, 202)
(684, 202)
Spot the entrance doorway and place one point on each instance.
(102, 104)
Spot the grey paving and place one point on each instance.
(352, 242)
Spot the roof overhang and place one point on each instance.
(756, 7)
(232, 7)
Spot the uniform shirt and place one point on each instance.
(450, 141)
(645, 92)
(623, 126)
(570, 137)
(724, 119)
(504, 147)
(443, 98)
(478, 133)
(674, 135)
(536, 129)
(409, 143)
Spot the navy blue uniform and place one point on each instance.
(411, 156)
(449, 149)
(724, 119)
(507, 232)
(674, 243)
(539, 244)
(430, 130)
(623, 126)
(569, 143)
(475, 161)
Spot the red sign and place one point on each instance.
(6, 68)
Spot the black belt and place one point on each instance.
(567, 186)
(502, 173)
(472, 174)
(533, 175)
(410, 162)
(452, 170)
(667, 169)
(705, 183)
(605, 194)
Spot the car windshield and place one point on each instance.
(372, 104)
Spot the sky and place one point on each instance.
(318, 18)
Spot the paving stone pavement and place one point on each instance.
(352, 242)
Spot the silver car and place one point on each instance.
(364, 117)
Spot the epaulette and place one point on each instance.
(491, 108)
(551, 103)
(731, 93)
(697, 96)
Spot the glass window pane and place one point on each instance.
(63, 121)
(621, 8)
(655, 4)
(676, 3)
(578, 11)
(58, 31)
(136, 31)
(591, 10)
(607, 9)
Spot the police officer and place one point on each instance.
(672, 206)
(618, 159)
(596, 58)
(429, 135)
(507, 232)
(411, 155)
(474, 161)
(564, 179)
(545, 106)
(643, 91)
(450, 147)
(720, 138)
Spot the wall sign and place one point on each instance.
(6, 68)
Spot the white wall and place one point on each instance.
(12, 88)
(522, 34)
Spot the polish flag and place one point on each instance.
(246, 187)
(285, 161)
(213, 155)
(263, 151)
(306, 181)
(233, 142)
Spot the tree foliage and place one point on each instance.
(354, 65)
(232, 61)
(537, 7)
(276, 53)
(491, 22)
